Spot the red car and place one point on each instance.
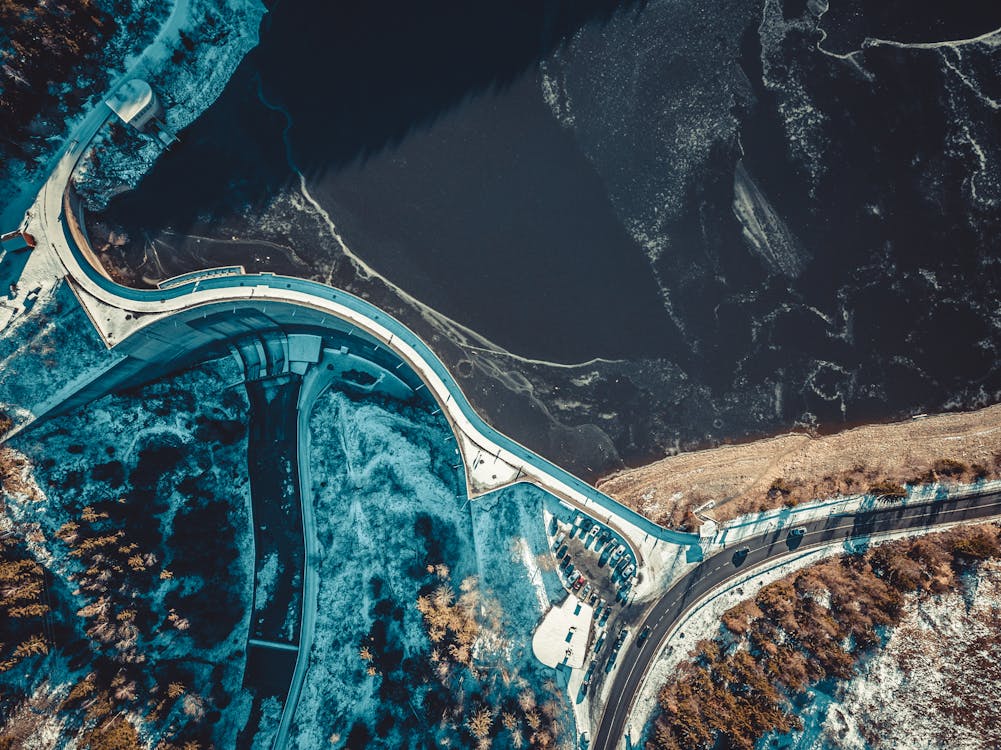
(578, 583)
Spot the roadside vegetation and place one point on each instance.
(813, 625)
(863, 478)
(796, 468)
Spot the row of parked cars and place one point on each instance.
(575, 580)
(610, 552)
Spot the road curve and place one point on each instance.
(764, 551)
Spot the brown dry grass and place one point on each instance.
(794, 468)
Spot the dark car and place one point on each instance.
(798, 531)
(740, 555)
(641, 639)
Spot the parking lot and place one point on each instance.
(596, 566)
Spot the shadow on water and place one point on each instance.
(356, 78)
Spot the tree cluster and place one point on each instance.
(814, 624)
(24, 606)
(453, 623)
(116, 577)
(42, 44)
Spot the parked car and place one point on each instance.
(623, 562)
(594, 530)
(606, 611)
(560, 539)
(599, 643)
(604, 536)
(578, 583)
(623, 632)
(611, 661)
(570, 570)
(593, 599)
(585, 592)
(630, 569)
(618, 552)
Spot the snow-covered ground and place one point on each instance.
(386, 500)
(20, 181)
(187, 51)
(188, 64)
(373, 476)
(48, 346)
(933, 685)
(517, 573)
(90, 457)
(704, 622)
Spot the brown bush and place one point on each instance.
(780, 486)
(948, 467)
(792, 634)
(888, 489)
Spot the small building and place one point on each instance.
(136, 104)
(14, 241)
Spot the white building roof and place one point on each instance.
(130, 99)
(561, 638)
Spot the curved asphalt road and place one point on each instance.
(764, 550)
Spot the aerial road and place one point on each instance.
(766, 548)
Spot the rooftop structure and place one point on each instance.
(14, 241)
(135, 103)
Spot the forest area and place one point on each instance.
(815, 624)
(105, 622)
(124, 581)
(54, 57)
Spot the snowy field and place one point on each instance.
(46, 350)
(188, 64)
(388, 503)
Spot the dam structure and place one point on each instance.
(293, 338)
(151, 332)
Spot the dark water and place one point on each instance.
(765, 235)
(422, 130)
